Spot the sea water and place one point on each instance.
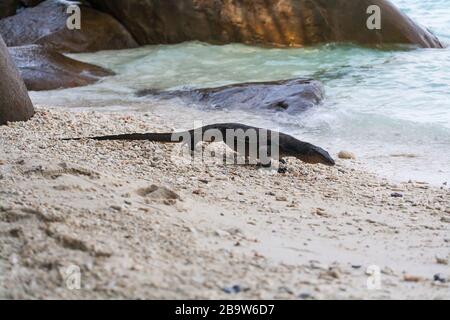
(389, 106)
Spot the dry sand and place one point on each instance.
(111, 209)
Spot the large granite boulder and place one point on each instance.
(8, 8)
(266, 22)
(291, 96)
(46, 24)
(45, 69)
(15, 104)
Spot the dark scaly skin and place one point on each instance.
(288, 146)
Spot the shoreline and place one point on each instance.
(140, 224)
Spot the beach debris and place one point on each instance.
(441, 259)
(331, 273)
(305, 296)
(16, 232)
(322, 212)
(346, 155)
(284, 289)
(281, 199)
(445, 219)
(116, 208)
(316, 265)
(235, 289)
(221, 233)
(282, 170)
(198, 192)
(439, 277)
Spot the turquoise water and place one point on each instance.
(390, 107)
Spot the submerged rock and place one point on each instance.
(15, 104)
(45, 24)
(45, 69)
(288, 95)
(275, 22)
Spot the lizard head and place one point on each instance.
(312, 154)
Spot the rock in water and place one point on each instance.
(289, 95)
(15, 104)
(45, 69)
(274, 22)
(45, 24)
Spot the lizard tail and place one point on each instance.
(156, 137)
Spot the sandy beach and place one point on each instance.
(140, 224)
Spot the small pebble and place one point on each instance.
(282, 170)
(234, 289)
(438, 277)
(221, 233)
(441, 260)
(117, 208)
(305, 296)
(346, 155)
(396, 195)
(445, 219)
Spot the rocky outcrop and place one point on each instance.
(15, 104)
(45, 69)
(274, 22)
(288, 96)
(8, 8)
(46, 25)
